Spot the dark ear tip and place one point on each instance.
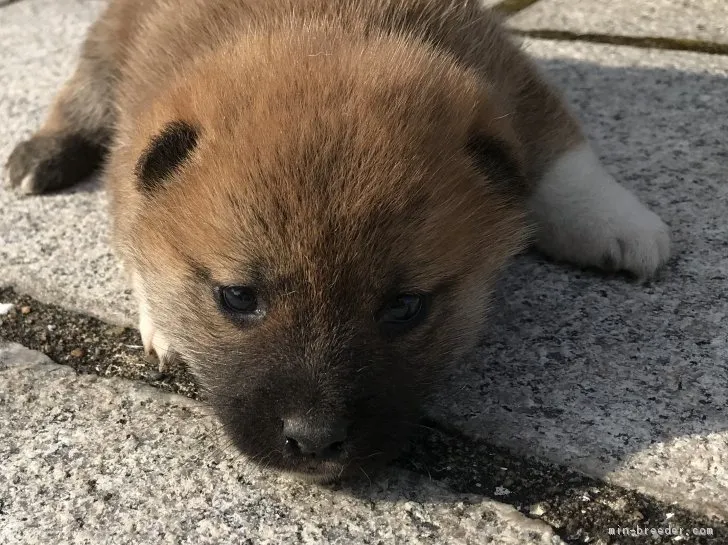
(165, 154)
(496, 159)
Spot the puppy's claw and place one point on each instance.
(164, 359)
(155, 345)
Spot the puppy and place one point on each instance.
(313, 198)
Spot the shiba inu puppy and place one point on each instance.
(313, 198)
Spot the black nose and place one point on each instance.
(315, 438)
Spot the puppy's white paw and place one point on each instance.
(584, 216)
(153, 340)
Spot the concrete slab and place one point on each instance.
(54, 247)
(91, 460)
(706, 20)
(620, 380)
(616, 379)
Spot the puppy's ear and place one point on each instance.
(165, 154)
(498, 160)
(494, 147)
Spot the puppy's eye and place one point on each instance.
(403, 313)
(239, 299)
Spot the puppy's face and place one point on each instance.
(321, 249)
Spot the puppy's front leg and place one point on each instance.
(586, 217)
(74, 139)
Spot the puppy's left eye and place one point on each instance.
(403, 313)
(239, 299)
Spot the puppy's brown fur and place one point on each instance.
(330, 154)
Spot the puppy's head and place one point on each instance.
(318, 233)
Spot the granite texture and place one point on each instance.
(53, 247)
(89, 460)
(612, 377)
(620, 380)
(705, 20)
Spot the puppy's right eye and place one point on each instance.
(239, 300)
(403, 313)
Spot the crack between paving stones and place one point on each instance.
(579, 508)
(646, 42)
(511, 7)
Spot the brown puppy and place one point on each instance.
(314, 197)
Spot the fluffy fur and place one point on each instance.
(329, 154)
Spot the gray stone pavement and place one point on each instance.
(625, 381)
(52, 247)
(117, 462)
(704, 20)
(622, 381)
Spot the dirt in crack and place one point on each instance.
(581, 509)
(86, 343)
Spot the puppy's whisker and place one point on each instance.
(365, 474)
